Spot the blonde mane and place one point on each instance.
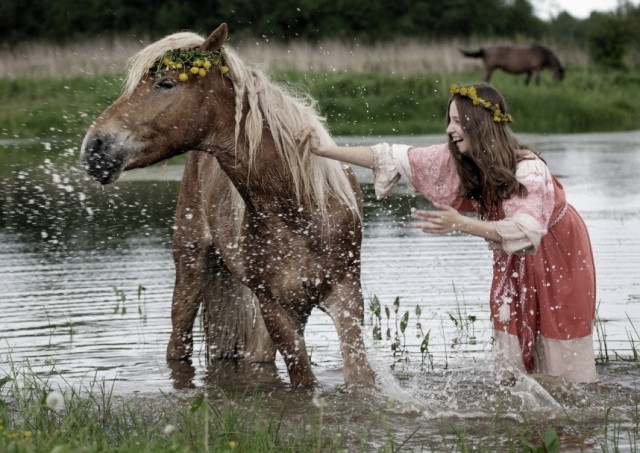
(314, 179)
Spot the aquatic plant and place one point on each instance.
(375, 318)
(464, 322)
(602, 354)
(121, 298)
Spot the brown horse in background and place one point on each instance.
(257, 215)
(529, 60)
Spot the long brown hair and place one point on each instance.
(488, 170)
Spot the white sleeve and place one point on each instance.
(390, 164)
(527, 218)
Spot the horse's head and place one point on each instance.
(552, 62)
(558, 72)
(173, 88)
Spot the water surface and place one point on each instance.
(86, 276)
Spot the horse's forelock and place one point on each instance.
(140, 63)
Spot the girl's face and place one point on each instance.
(455, 131)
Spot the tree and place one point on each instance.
(608, 37)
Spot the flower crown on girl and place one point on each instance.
(470, 92)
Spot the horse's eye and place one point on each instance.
(165, 84)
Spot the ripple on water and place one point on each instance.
(88, 299)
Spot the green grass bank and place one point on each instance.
(354, 103)
(41, 419)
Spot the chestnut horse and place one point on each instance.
(257, 214)
(529, 60)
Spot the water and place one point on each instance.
(86, 278)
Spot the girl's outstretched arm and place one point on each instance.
(361, 156)
(446, 219)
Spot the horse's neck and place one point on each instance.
(265, 184)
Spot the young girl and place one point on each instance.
(543, 290)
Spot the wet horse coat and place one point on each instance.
(255, 212)
(529, 60)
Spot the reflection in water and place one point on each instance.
(87, 277)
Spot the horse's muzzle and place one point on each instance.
(101, 161)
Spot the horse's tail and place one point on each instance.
(228, 313)
(473, 54)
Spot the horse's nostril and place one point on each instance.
(95, 145)
(100, 160)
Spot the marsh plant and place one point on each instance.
(395, 328)
(121, 300)
(464, 322)
(397, 321)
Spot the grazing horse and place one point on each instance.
(258, 214)
(517, 60)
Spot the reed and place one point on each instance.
(103, 56)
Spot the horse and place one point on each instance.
(530, 60)
(265, 231)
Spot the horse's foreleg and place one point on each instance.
(184, 307)
(345, 305)
(527, 78)
(287, 335)
(487, 74)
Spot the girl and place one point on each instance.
(543, 294)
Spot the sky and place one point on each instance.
(580, 9)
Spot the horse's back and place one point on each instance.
(514, 59)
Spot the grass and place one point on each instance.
(36, 418)
(40, 419)
(358, 104)
(397, 88)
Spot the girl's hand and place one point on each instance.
(444, 219)
(308, 138)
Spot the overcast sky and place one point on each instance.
(580, 9)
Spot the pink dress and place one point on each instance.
(543, 289)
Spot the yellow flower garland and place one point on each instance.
(470, 92)
(190, 61)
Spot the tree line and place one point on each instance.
(605, 35)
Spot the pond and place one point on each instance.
(87, 279)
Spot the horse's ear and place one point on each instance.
(216, 39)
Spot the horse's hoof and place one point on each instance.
(307, 382)
(178, 353)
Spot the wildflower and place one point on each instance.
(169, 429)
(183, 77)
(194, 60)
(472, 94)
(224, 69)
(55, 401)
(232, 444)
(319, 402)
